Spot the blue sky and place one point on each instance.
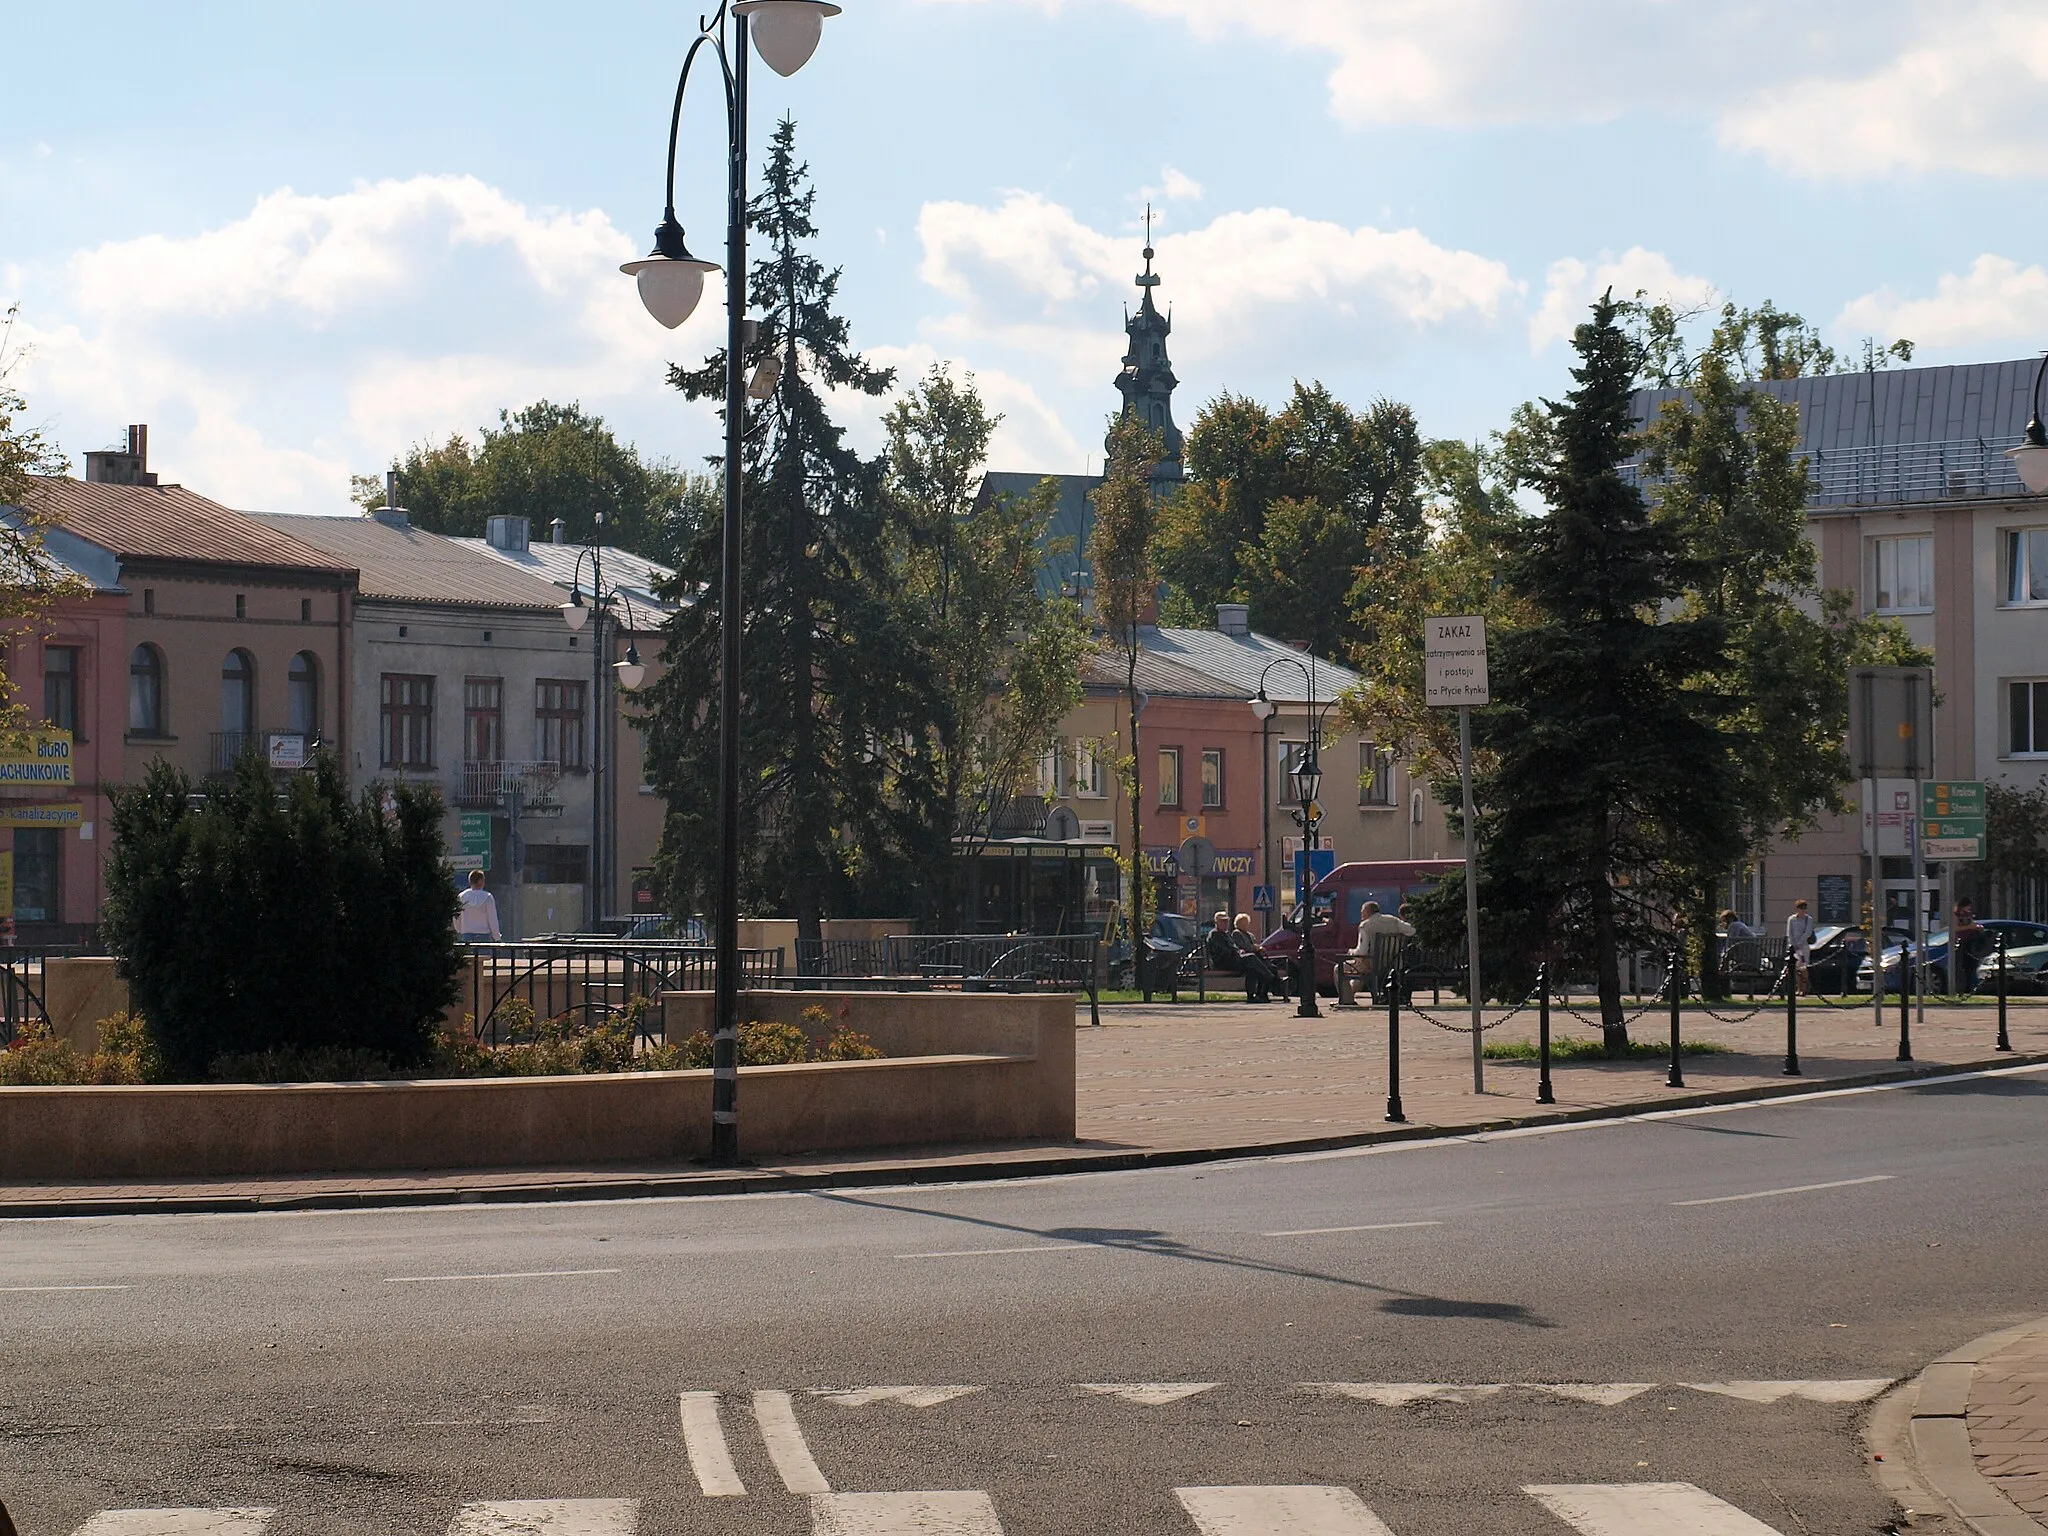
(297, 239)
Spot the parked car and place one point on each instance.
(2023, 970)
(2018, 935)
(1838, 949)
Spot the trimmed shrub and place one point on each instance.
(39, 1058)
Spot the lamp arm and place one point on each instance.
(2036, 435)
(712, 32)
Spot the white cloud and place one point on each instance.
(1571, 285)
(322, 335)
(1996, 302)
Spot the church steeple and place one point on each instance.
(1147, 380)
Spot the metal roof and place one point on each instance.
(1207, 663)
(412, 565)
(567, 565)
(1073, 521)
(168, 522)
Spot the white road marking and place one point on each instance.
(1646, 1509)
(1790, 1189)
(775, 1415)
(1858, 1391)
(549, 1517)
(982, 1253)
(904, 1514)
(177, 1522)
(1148, 1394)
(517, 1274)
(910, 1397)
(1398, 1394)
(16, 1290)
(704, 1439)
(1304, 1511)
(1607, 1394)
(1380, 1226)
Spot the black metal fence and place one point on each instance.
(593, 979)
(21, 988)
(973, 962)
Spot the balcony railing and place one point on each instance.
(488, 785)
(1959, 469)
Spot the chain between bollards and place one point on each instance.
(1676, 1077)
(1394, 1048)
(2004, 1039)
(1544, 1095)
(1791, 1015)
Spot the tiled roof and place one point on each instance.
(1206, 663)
(168, 522)
(411, 565)
(559, 564)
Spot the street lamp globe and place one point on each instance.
(573, 611)
(786, 32)
(2031, 460)
(1308, 777)
(632, 673)
(670, 286)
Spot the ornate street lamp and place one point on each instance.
(2031, 457)
(606, 603)
(671, 282)
(1307, 776)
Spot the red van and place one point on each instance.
(1340, 896)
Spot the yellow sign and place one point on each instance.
(7, 884)
(69, 814)
(36, 757)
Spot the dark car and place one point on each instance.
(2017, 934)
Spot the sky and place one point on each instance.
(297, 240)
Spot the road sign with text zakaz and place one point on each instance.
(1454, 661)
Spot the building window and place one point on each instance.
(1087, 771)
(407, 721)
(556, 863)
(2026, 566)
(146, 691)
(2027, 716)
(1375, 774)
(1212, 779)
(1290, 759)
(238, 695)
(1049, 772)
(483, 719)
(1169, 775)
(1902, 574)
(305, 610)
(60, 686)
(302, 695)
(149, 599)
(38, 857)
(558, 721)
(241, 605)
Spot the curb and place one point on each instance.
(1922, 1428)
(644, 1186)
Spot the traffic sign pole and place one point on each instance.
(1455, 673)
(1472, 987)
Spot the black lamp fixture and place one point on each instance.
(2031, 457)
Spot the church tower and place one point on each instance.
(1147, 380)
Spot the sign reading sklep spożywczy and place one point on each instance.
(36, 757)
(1454, 661)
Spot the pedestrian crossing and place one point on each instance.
(1591, 1509)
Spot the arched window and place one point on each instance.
(302, 695)
(238, 695)
(146, 691)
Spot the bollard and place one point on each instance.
(1791, 1016)
(1543, 1092)
(2004, 1039)
(1905, 1012)
(1676, 1079)
(1394, 1048)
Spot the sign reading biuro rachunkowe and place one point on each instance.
(36, 757)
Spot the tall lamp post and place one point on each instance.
(671, 282)
(606, 602)
(1308, 782)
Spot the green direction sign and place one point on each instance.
(476, 836)
(1952, 809)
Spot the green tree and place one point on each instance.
(543, 462)
(29, 579)
(825, 693)
(1606, 764)
(1755, 345)
(1120, 552)
(1003, 663)
(295, 920)
(2015, 842)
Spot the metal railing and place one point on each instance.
(21, 988)
(1955, 469)
(487, 784)
(970, 961)
(593, 979)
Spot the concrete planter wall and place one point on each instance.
(1006, 1073)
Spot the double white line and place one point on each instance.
(711, 1457)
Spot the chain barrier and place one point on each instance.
(1411, 1009)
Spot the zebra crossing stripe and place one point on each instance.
(910, 1397)
(177, 1522)
(1645, 1509)
(1398, 1394)
(549, 1517)
(1300, 1511)
(1777, 1391)
(1148, 1394)
(704, 1441)
(904, 1514)
(1606, 1394)
(775, 1416)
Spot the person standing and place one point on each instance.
(1372, 924)
(476, 917)
(1799, 941)
(1967, 940)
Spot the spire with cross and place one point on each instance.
(1147, 380)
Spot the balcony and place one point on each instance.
(487, 786)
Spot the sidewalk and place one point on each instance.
(1168, 1083)
(1968, 1437)
(2008, 1423)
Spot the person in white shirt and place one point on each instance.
(1372, 924)
(477, 914)
(1799, 941)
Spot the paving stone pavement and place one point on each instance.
(2008, 1422)
(1180, 1079)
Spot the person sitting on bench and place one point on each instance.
(1372, 924)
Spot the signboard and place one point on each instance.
(288, 753)
(1952, 849)
(1837, 899)
(69, 814)
(1198, 856)
(1235, 861)
(1262, 898)
(1310, 865)
(476, 835)
(1454, 661)
(1891, 721)
(1888, 818)
(36, 757)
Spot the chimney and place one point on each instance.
(1233, 619)
(391, 514)
(560, 530)
(507, 533)
(122, 466)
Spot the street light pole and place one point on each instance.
(1308, 777)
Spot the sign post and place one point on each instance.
(1891, 735)
(1454, 673)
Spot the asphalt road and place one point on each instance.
(377, 1372)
